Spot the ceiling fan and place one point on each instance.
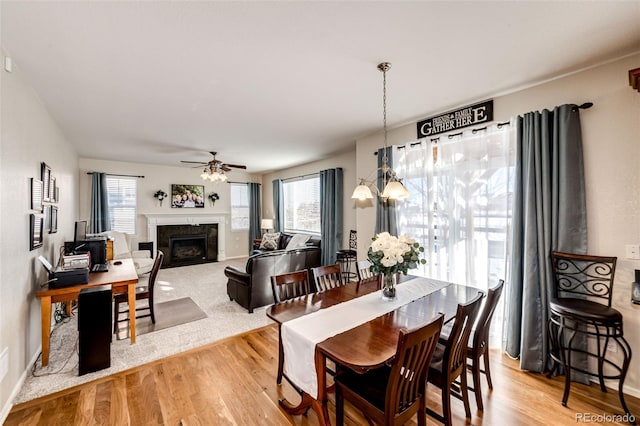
(214, 169)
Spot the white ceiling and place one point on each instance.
(274, 84)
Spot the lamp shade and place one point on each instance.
(266, 224)
(362, 192)
(395, 190)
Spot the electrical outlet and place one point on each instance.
(612, 347)
(4, 363)
(632, 251)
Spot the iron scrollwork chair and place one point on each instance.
(581, 306)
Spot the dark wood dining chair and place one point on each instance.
(391, 395)
(286, 287)
(479, 342)
(362, 267)
(327, 277)
(290, 285)
(450, 360)
(374, 280)
(143, 291)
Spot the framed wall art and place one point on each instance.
(36, 194)
(52, 190)
(36, 225)
(53, 220)
(186, 196)
(45, 176)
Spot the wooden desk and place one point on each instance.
(369, 345)
(123, 279)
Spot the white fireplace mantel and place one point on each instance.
(155, 220)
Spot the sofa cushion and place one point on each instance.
(270, 241)
(298, 241)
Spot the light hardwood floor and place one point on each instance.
(232, 382)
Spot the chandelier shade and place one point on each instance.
(393, 189)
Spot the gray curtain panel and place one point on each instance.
(549, 214)
(254, 213)
(278, 205)
(100, 220)
(385, 210)
(330, 214)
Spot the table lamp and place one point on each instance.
(266, 225)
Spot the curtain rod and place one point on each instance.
(452, 135)
(230, 181)
(113, 174)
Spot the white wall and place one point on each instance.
(346, 160)
(28, 137)
(611, 138)
(161, 177)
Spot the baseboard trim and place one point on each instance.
(16, 389)
(236, 257)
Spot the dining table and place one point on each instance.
(355, 328)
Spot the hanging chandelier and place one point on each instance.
(393, 189)
(213, 173)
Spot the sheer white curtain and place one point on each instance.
(460, 205)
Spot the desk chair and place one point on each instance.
(286, 287)
(392, 395)
(327, 277)
(581, 307)
(143, 291)
(450, 360)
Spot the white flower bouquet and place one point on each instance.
(390, 256)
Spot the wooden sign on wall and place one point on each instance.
(457, 119)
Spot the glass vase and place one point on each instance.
(389, 286)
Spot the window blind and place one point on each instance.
(122, 193)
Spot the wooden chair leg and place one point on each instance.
(339, 407)
(115, 316)
(477, 386)
(465, 393)
(487, 370)
(446, 404)
(280, 357)
(422, 410)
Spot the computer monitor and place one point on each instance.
(80, 233)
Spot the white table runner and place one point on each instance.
(300, 336)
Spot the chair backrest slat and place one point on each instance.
(583, 276)
(154, 273)
(327, 277)
(455, 353)
(408, 376)
(290, 285)
(481, 335)
(362, 267)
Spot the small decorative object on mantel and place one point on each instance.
(390, 256)
(213, 196)
(160, 195)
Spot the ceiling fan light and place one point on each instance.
(204, 175)
(395, 190)
(362, 192)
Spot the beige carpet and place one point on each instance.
(205, 284)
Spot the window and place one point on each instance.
(239, 207)
(302, 205)
(122, 191)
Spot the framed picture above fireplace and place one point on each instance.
(187, 196)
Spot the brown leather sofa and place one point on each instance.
(251, 288)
